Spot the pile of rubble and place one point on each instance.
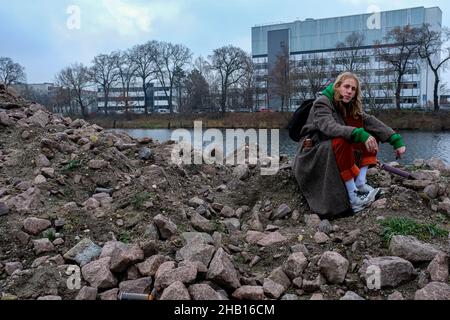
(86, 213)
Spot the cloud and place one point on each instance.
(126, 18)
(108, 25)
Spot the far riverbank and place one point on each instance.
(399, 120)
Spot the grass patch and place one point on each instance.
(124, 237)
(409, 227)
(138, 199)
(182, 228)
(219, 226)
(50, 235)
(72, 165)
(239, 259)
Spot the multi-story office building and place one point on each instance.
(117, 100)
(312, 44)
(45, 89)
(56, 97)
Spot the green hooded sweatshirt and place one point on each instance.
(329, 92)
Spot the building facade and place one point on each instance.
(45, 89)
(56, 98)
(312, 46)
(134, 100)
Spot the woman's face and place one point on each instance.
(347, 89)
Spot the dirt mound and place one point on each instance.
(75, 195)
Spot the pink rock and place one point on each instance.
(295, 264)
(203, 291)
(165, 226)
(176, 291)
(97, 164)
(271, 239)
(142, 285)
(125, 255)
(35, 225)
(42, 246)
(10, 267)
(186, 274)
(273, 289)
(221, 270)
(26, 202)
(433, 291)
(110, 294)
(87, 293)
(151, 265)
(98, 275)
(320, 237)
(333, 266)
(438, 268)
(249, 293)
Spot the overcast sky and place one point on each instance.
(36, 33)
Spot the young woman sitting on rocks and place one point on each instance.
(325, 165)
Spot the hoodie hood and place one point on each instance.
(329, 92)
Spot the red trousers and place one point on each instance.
(344, 152)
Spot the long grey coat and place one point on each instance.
(316, 169)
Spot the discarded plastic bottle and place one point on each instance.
(133, 296)
(138, 296)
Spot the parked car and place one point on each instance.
(162, 111)
(265, 110)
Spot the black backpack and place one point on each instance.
(299, 118)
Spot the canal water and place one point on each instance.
(419, 144)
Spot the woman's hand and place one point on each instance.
(371, 144)
(399, 152)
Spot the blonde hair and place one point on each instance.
(356, 103)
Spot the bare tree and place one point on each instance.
(375, 102)
(351, 57)
(76, 78)
(202, 66)
(206, 70)
(63, 101)
(300, 78)
(170, 59)
(126, 68)
(60, 100)
(398, 52)
(144, 57)
(349, 53)
(104, 73)
(230, 63)
(315, 73)
(431, 51)
(444, 89)
(11, 72)
(248, 86)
